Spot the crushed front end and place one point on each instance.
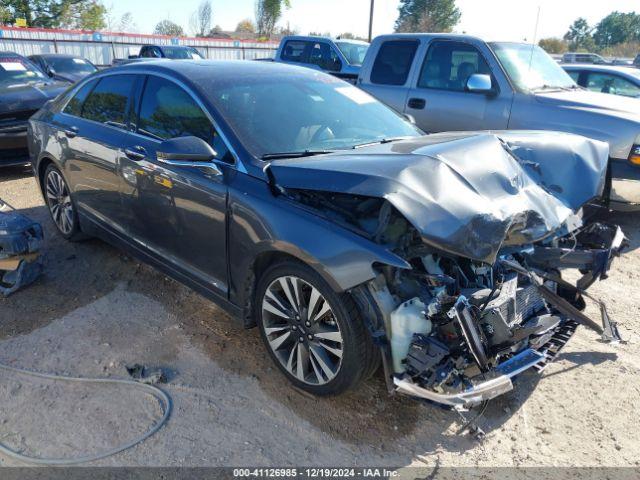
(456, 331)
(485, 224)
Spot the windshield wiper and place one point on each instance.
(552, 87)
(304, 153)
(379, 142)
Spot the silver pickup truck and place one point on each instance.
(458, 82)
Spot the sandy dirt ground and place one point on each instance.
(95, 310)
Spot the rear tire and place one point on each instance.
(61, 206)
(314, 335)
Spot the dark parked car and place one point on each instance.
(301, 204)
(59, 66)
(23, 90)
(166, 52)
(173, 52)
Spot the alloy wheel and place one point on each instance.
(301, 330)
(59, 202)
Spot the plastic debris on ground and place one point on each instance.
(20, 243)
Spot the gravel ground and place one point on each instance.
(95, 310)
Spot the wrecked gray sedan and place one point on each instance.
(302, 205)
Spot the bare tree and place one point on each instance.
(200, 22)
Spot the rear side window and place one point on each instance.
(393, 62)
(294, 51)
(74, 107)
(109, 101)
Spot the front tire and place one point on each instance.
(61, 206)
(314, 335)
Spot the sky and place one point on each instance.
(489, 19)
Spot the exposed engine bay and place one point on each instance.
(457, 330)
(486, 224)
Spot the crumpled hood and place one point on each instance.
(464, 192)
(585, 100)
(18, 98)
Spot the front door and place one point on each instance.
(439, 100)
(176, 213)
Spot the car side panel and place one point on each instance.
(261, 223)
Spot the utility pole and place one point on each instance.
(371, 20)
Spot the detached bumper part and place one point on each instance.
(480, 392)
(20, 260)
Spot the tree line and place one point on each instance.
(617, 34)
(93, 15)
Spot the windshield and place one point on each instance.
(296, 113)
(531, 68)
(18, 70)
(64, 65)
(176, 53)
(353, 52)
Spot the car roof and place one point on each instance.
(315, 38)
(11, 54)
(55, 55)
(214, 71)
(459, 36)
(170, 46)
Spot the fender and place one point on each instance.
(343, 258)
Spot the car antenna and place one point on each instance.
(535, 36)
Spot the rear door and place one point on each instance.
(390, 73)
(176, 213)
(93, 131)
(438, 98)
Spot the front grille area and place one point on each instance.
(526, 303)
(10, 118)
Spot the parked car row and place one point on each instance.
(24, 89)
(595, 59)
(304, 206)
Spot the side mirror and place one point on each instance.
(479, 83)
(187, 152)
(51, 72)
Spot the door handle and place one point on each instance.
(136, 153)
(71, 132)
(417, 103)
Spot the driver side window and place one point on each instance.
(449, 65)
(325, 57)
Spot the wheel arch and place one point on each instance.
(44, 160)
(265, 259)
